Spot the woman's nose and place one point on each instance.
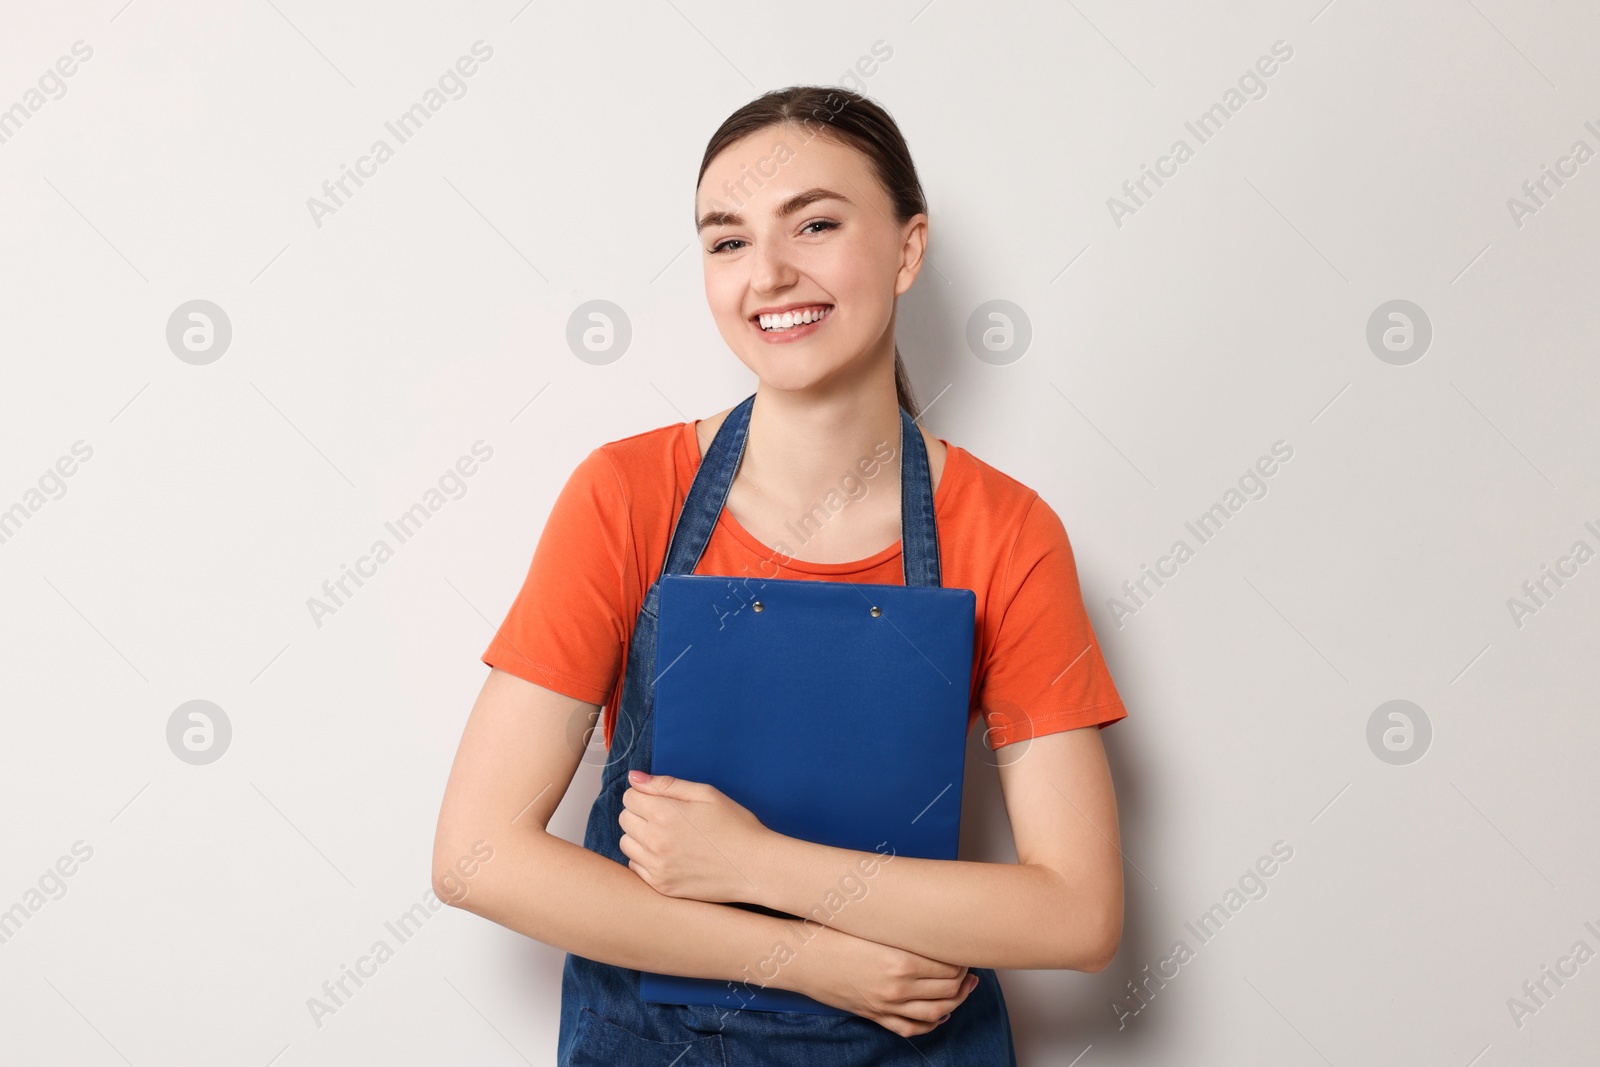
(772, 268)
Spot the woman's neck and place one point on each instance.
(800, 447)
(803, 462)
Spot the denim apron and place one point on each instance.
(603, 1021)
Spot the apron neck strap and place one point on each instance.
(708, 494)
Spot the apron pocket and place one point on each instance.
(599, 1042)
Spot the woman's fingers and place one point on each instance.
(941, 1008)
(911, 1018)
(938, 988)
(933, 1010)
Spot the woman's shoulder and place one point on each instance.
(641, 475)
(1008, 523)
(985, 487)
(648, 450)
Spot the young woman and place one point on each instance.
(812, 223)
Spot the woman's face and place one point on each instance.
(790, 225)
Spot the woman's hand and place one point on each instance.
(689, 839)
(898, 990)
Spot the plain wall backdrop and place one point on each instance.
(1373, 677)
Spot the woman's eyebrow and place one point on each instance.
(788, 207)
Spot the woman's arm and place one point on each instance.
(494, 857)
(1059, 906)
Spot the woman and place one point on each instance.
(812, 223)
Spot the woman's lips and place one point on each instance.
(793, 333)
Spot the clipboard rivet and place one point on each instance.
(876, 611)
(757, 605)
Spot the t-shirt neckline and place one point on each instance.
(766, 552)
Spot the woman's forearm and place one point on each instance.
(1008, 915)
(566, 896)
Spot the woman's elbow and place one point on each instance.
(1089, 941)
(458, 869)
(1108, 940)
(1087, 924)
(1105, 951)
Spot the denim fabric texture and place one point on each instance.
(603, 1021)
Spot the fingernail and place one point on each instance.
(638, 776)
(945, 1016)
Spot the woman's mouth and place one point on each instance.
(792, 325)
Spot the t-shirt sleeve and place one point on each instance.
(1045, 673)
(565, 630)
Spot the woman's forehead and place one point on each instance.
(770, 167)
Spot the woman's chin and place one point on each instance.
(791, 369)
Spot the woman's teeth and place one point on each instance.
(790, 319)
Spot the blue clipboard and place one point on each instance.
(835, 711)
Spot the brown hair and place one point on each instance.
(854, 120)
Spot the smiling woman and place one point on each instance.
(812, 224)
(836, 229)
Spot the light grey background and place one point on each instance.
(430, 311)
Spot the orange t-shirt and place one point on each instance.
(1037, 667)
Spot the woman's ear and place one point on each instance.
(914, 244)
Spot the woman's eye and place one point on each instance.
(722, 246)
